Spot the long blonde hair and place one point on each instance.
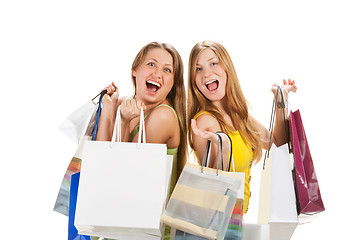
(239, 108)
(177, 95)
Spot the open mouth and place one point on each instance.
(153, 86)
(212, 85)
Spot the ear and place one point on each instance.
(133, 73)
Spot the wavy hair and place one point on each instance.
(239, 107)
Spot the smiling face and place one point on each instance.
(154, 76)
(210, 77)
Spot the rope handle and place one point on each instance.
(271, 124)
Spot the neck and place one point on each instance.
(223, 106)
(225, 109)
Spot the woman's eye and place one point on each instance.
(214, 63)
(198, 69)
(168, 70)
(151, 64)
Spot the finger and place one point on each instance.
(208, 134)
(124, 103)
(114, 85)
(134, 103)
(284, 82)
(294, 86)
(109, 90)
(195, 129)
(127, 102)
(194, 126)
(120, 100)
(274, 87)
(139, 104)
(106, 98)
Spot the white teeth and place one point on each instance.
(210, 82)
(154, 83)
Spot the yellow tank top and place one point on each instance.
(243, 159)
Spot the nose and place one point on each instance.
(157, 73)
(207, 72)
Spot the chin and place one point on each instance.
(213, 97)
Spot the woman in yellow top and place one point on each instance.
(157, 76)
(216, 103)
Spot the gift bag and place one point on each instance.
(277, 201)
(72, 231)
(123, 187)
(81, 122)
(256, 231)
(62, 202)
(203, 200)
(235, 227)
(309, 201)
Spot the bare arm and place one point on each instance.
(280, 130)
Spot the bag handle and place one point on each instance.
(206, 157)
(231, 160)
(117, 129)
(101, 94)
(272, 120)
(94, 131)
(141, 128)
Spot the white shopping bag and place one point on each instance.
(123, 188)
(81, 121)
(277, 200)
(256, 231)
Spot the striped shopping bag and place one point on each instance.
(235, 227)
(62, 201)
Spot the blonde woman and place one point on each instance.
(157, 76)
(216, 103)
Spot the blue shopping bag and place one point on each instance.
(72, 230)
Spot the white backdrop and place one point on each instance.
(55, 55)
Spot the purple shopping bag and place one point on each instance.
(309, 201)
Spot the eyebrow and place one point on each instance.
(158, 62)
(208, 60)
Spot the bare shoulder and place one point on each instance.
(162, 114)
(206, 121)
(162, 126)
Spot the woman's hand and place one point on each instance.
(208, 134)
(110, 101)
(130, 108)
(110, 104)
(287, 87)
